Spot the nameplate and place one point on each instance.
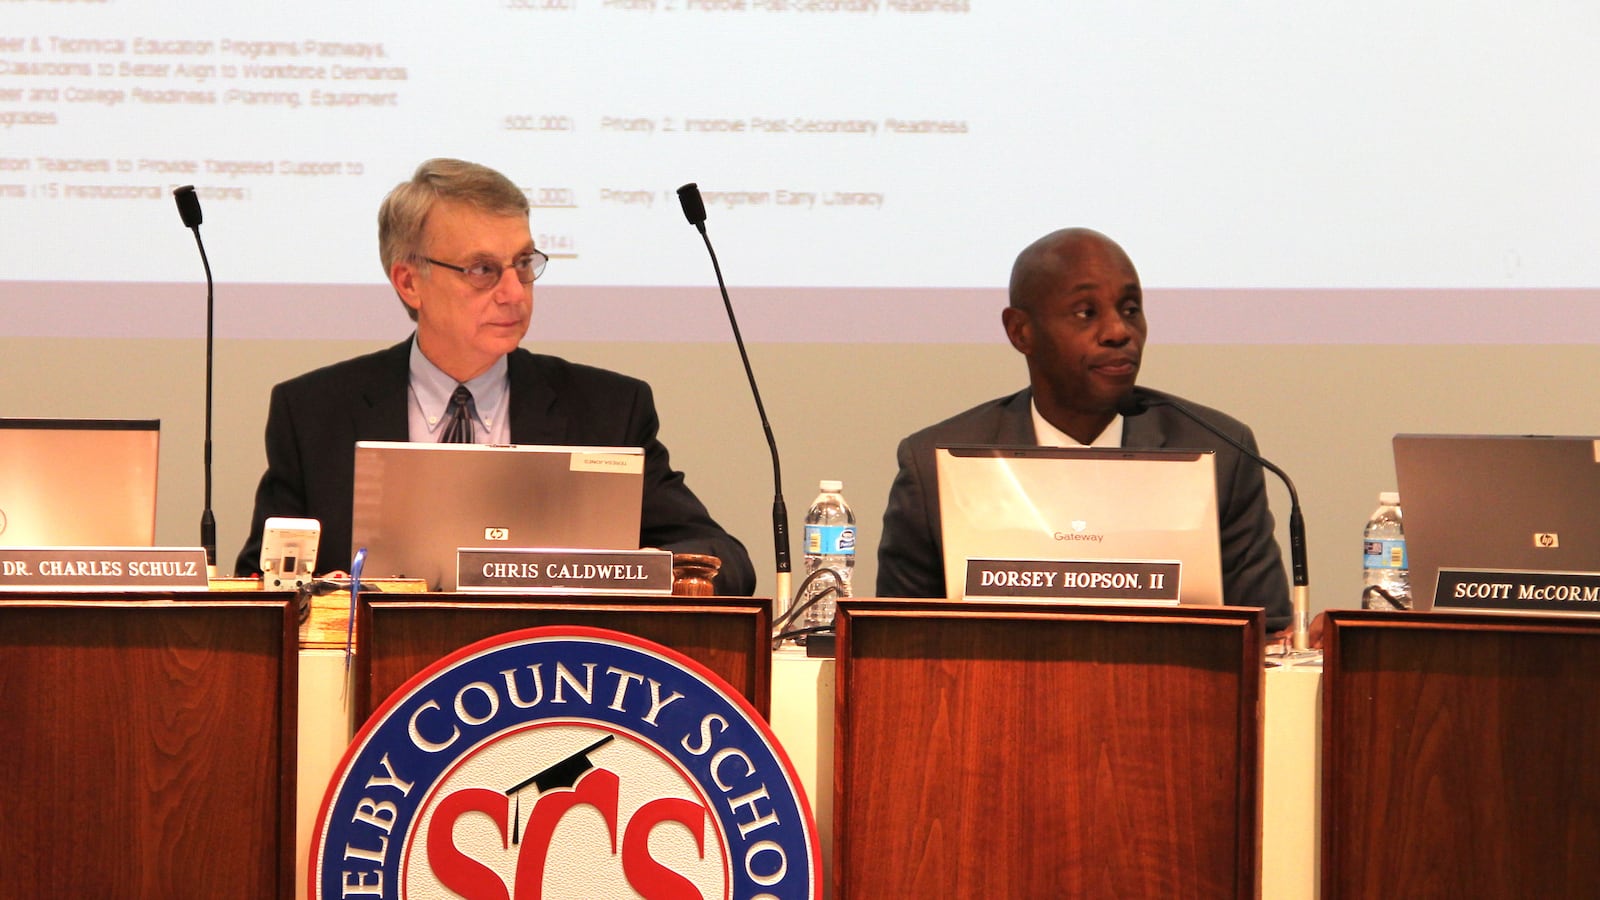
(103, 568)
(1479, 589)
(1096, 580)
(564, 571)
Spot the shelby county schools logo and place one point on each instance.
(559, 763)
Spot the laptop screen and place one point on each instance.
(416, 504)
(1497, 503)
(1084, 505)
(78, 482)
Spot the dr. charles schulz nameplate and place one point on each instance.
(103, 568)
(565, 762)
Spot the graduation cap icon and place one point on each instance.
(563, 774)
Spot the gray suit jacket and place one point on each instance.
(911, 552)
(314, 421)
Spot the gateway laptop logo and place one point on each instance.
(1079, 532)
(565, 763)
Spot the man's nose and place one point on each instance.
(510, 289)
(1114, 332)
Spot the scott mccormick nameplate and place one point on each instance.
(1484, 590)
(103, 568)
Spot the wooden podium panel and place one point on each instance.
(1459, 755)
(1044, 750)
(731, 636)
(151, 746)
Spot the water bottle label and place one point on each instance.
(831, 540)
(1385, 555)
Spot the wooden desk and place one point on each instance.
(152, 743)
(802, 718)
(402, 636)
(803, 691)
(1460, 755)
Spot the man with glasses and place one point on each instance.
(456, 243)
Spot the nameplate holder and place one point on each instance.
(103, 568)
(541, 571)
(1518, 591)
(1143, 581)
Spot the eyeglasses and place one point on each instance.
(486, 273)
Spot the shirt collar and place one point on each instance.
(433, 388)
(1047, 435)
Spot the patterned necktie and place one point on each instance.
(459, 429)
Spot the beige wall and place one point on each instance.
(1323, 413)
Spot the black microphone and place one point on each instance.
(694, 209)
(189, 211)
(188, 206)
(1300, 599)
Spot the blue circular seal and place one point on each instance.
(565, 762)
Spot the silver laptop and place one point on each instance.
(417, 504)
(1088, 505)
(1497, 503)
(78, 482)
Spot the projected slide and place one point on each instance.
(840, 144)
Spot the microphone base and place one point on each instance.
(781, 598)
(1300, 609)
(1278, 655)
(821, 645)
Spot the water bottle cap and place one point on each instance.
(1389, 498)
(831, 487)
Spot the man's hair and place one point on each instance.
(405, 211)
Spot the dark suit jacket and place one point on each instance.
(911, 552)
(315, 420)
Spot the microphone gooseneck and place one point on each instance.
(694, 209)
(189, 210)
(1300, 596)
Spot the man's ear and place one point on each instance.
(404, 275)
(1019, 328)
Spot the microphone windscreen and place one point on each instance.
(188, 205)
(694, 208)
(1132, 405)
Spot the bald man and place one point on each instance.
(1076, 315)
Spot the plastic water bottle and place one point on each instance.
(1384, 556)
(830, 542)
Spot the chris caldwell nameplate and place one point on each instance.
(565, 571)
(103, 568)
(1084, 580)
